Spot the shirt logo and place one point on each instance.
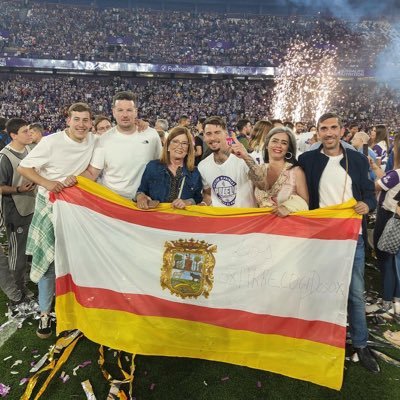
(225, 189)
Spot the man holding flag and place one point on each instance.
(335, 175)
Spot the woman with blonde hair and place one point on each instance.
(174, 178)
(260, 130)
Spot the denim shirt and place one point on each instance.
(156, 183)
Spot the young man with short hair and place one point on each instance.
(243, 128)
(17, 206)
(36, 130)
(121, 154)
(225, 176)
(53, 165)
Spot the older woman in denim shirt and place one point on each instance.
(174, 178)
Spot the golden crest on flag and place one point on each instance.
(188, 266)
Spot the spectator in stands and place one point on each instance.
(161, 126)
(381, 146)
(184, 121)
(102, 124)
(36, 131)
(256, 145)
(360, 143)
(4, 137)
(243, 128)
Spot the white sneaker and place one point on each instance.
(386, 313)
(396, 307)
(372, 308)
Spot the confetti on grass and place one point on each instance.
(225, 378)
(4, 390)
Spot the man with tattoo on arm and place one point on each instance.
(225, 176)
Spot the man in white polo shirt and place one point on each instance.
(121, 154)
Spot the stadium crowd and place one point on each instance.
(45, 99)
(256, 170)
(53, 31)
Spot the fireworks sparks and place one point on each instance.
(305, 81)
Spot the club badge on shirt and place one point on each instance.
(225, 189)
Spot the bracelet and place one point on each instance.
(203, 202)
(17, 189)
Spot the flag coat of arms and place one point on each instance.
(240, 286)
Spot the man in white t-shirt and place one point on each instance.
(53, 165)
(334, 175)
(121, 154)
(225, 176)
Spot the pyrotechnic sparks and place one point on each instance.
(305, 81)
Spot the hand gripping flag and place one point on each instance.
(240, 286)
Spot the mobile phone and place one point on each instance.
(229, 139)
(365, 149)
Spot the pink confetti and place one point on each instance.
(64, 378)
(258, 384)
(23, 381)
(152, 386)
(225, 378)
(4, 390)
(85, 363)
(35, 351)
(33, 363)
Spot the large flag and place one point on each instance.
(234, 285)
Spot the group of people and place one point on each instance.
(44, 99)
(37, 30)
(257, 167)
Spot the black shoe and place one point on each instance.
(367, 360)
(16, 307)
(44, 329)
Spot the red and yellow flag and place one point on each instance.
(234, 285)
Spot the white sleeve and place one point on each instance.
(98, 157)
(39, 157)
(201, 170)
(158, 148)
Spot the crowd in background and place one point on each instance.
(45, 99)
(55, 31)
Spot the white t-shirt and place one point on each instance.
(123, 158)
(304, 142)
(390, 183)
(57, 156)
(229, 182)
(332, 183)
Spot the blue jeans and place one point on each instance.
(47, 286)
(389, 264)
(356, 303)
